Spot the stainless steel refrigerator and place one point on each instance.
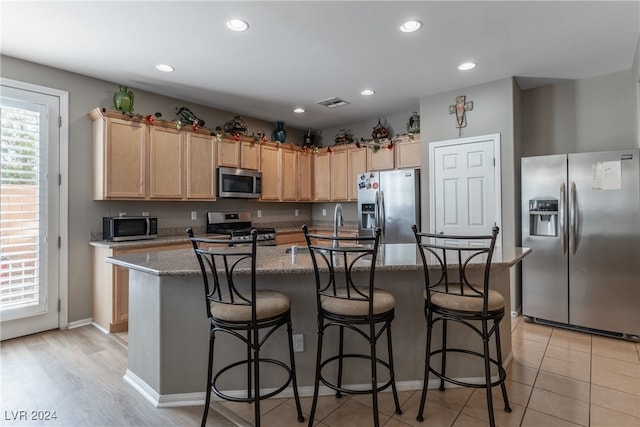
(581, 218)
(389, 200)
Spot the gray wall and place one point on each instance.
(595, 114)
(85, 214)
(493, 112)
(395, 124)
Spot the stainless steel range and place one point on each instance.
(237, 225)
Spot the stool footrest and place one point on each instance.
(502, 374)
(222, 395)
(340, 389)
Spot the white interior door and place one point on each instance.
(29, 211)
(465, 185)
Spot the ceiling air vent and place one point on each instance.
(333, 102)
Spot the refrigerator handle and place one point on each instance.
(376, 211)
(562, 217)
(383, 216)
(572, 219)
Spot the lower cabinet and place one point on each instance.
(110, 284)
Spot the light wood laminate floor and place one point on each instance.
(78, 374)
(557, 378)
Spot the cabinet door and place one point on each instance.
(201, 167)
(340, 175)
(166, 170)
(322, 176)
(228, 153)
(120, 314)
(125, 155)
(357, 165)
(304, 177)
(289, 174)
(249, 155)
(381, 159)
(271, 172)
(407, 153)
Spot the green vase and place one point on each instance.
(279, 133)
(123, 100)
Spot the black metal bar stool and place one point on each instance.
(249, 314)
(346, 298)
(458, 298)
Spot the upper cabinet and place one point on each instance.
(382, 159)
(135, 160)
(322, 175)
(201, 166)
(166, 163)
(407, 152)
(271, 172)
(340, 173)
(304, 176)
(357, 164)
(119, 157)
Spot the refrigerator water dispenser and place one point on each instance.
(368, 219)
(543, 217)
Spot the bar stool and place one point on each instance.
(453, 297)
(346, 298)
(243, 314)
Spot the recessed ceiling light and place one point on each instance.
(367, 92)
(299, 110)
(411, 26)
(164, 67)
(466, 66)
(237, 25)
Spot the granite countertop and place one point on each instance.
(276, 260)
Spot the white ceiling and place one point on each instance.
(298, 53)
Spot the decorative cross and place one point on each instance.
(459, 108)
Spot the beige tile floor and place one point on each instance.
(557, 378)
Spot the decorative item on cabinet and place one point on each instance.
(379, 131)
(308, 138)
(187, 118)
(279, 133)
(344, 136)
(414, 123)
(236, 126)
(123, 100)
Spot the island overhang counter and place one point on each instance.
(168, 327)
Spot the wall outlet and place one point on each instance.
(121, 214)
(145, 213)
(324, 212)
(298, 343)
(194, 215)
(259, 213)
(296, 212)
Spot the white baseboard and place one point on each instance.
(80, 323)
(198, 398)
(100, 328)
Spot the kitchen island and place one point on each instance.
(168, 328)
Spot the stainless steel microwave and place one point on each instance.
(124, 228)
(239, 183)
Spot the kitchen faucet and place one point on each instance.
(338, 221)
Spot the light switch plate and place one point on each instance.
(194, 215)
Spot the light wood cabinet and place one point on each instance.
(340, 174)
(322, 176)
(110, 284)
(383, 159)
(119, 157)
(271, 172)
(304, 176)
(228, 153)
(166, 163)
(357, 165)
(200, 173)
(289, 167)
(249, 155)
(407, 152)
